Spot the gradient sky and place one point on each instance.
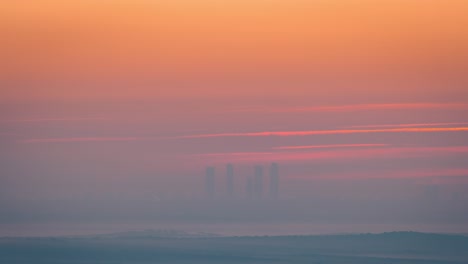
(208, 48)
(118, 96)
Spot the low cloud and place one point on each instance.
(330, 132)
(78, 139)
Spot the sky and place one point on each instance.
(107, 102)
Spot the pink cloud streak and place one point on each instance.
(411, 125)
(337, 154)
(259, 134)
(331, 146)
(330, 132)
(444, 176)
(398, 106)
(235, 154)
(64, 119)
(77, 139)
(364, 107)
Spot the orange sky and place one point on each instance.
(81, 49)
(114, 99)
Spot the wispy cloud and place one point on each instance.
(291, 156)
(424, 176)
(411, 125)
(360, 107)
(265, 134)
(240, 154)
(330, 132)
(396, 106)
(61, 119)
(78, 139)
(330, 146)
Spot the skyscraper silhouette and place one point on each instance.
(258, 182)
(229, 180)
(210, 182)
(274, 181)
(249, 187)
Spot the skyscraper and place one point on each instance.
(249, 187)
(274, 181)
(229, 180)
(210, 182)
(258, 182)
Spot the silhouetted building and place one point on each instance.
(249, 187)
(210, 182)
(274, 181)
(258, 182)
(230, 180)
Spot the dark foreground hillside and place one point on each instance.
(125, 248)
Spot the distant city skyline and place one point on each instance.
(219, 112)
(210, 183)
(230, 180)
(254, 183)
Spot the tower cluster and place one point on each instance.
(254, 183)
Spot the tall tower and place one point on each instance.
(249, 187)
(210, 182)
(230, 180)
(274, 181)
(258, 182)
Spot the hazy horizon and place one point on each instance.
(110, 112)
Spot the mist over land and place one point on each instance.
(280, 131)
(84, 165)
